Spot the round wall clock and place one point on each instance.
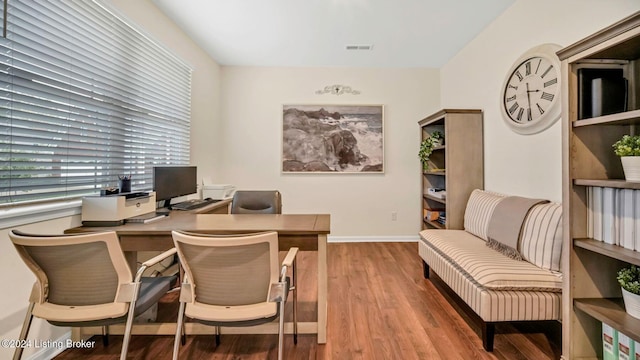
(530, 100)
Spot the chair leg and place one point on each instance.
(26, 325)
(127, 329)
(281, 330)
(105, 335)
(295, 303)
(179, 331)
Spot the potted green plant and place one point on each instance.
(629, 280)
(430, 142)
(628, 148)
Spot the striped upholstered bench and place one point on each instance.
(496, 287)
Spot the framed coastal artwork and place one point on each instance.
(333, 139)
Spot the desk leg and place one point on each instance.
(132, 260)
(322, 289)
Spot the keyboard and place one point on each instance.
(193, 204)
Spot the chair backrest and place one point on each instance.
(256, 202)
(229, 270)
(82, 269)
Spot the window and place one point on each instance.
(85, 97)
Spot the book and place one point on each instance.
(626, 218)
(590, 225)
(626, 348)
(145, 218)
(609, 342)
(608, 216)
(636, 213)
(597, 213)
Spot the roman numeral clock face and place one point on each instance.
(530, 96)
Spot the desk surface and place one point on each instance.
(218, 223)
(298, 230)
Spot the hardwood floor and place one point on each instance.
(380, 307)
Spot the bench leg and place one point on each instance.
(425, 269)
(488, 331)
(488, 328)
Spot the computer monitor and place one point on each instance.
(173, 181)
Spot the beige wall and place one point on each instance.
(359, 204)
(205, 153)
(528, 165)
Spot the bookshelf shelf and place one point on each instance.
(436, 199)
(610, 311)
(625, 118)
(434, 224)
(611, 183)
(612, 251)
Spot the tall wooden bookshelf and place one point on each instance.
(457, 166)
(591, 294)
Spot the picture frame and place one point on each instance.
(333, 139)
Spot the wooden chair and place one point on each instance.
(85, 280)
(234, 280)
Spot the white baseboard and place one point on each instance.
(56, 348)
(395, 238)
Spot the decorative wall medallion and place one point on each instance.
(337, 90)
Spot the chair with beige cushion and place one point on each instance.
(234, 280)
(85, 280)
(256, 202)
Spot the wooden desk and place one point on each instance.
(308, 232)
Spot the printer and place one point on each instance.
(218, 191)
(112, 210)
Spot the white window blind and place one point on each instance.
(84, 98)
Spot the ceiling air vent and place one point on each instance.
(359, 47)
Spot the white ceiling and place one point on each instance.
(314, 33)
